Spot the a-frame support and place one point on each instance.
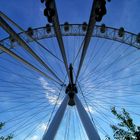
(88, 125)
(52, 130)
(71, 99)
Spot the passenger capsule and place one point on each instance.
(84, 26)
(12, 39)
(48, 28)
(30, 31)
(66, 26)
(103, 28)
(121, 32)
(138, 38)
(42, 1)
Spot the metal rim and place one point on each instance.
(76, 30)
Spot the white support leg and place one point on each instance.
(52, 130)
(89, 128)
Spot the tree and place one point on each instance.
(9, 137)
(125, 129)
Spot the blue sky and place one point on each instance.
(27, 98)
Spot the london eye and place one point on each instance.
(60, 80)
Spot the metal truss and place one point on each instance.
(76, 30)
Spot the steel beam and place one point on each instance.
(8, 51)
(88, 125)
(30, 37)
(59, 37)
(10, 31)
(87, 38)
(52, 130)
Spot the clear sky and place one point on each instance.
(109, 77)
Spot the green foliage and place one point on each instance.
(1, 125)
(107, 138)
(125, 129)
(9, 137)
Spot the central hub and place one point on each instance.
(71, 89)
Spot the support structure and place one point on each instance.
(28, 36)
(17, 57)
(23, 44)
(87, 38)
(89, 128)
(71, 99)
(71, 89)
(51, 132)
(57, 30)
(54, 126)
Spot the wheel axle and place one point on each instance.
(71, 88)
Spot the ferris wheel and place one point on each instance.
(61, 80)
